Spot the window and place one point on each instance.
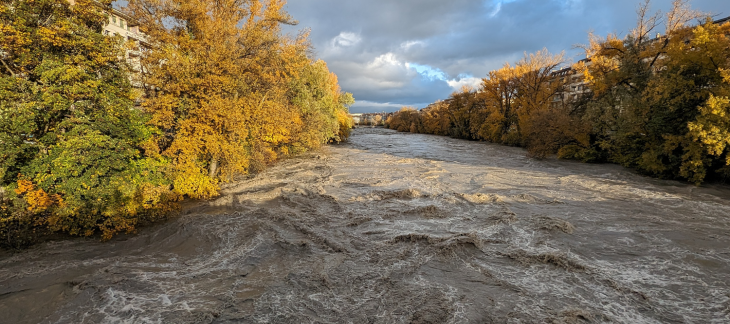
(121, 23)
(114, 19)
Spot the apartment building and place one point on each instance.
(574, 87)
(127, 28)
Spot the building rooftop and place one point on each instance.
(723, 20)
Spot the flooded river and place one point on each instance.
(401, 228)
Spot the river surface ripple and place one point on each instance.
(401, 228)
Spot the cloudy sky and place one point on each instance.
(393, 53)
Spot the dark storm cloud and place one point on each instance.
(409, 52)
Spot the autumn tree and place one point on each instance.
(323, 108)
(536, 88)
(652, 96)
(465, 111)
(71, 144)
(513, 96)
(378, 120)
(686, 119)
(407, 119)
(230, 92)
(657, 104)
(499, 91)
(436, 119)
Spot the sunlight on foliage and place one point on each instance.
(225, 94)
(659, 105)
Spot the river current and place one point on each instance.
(401, 228)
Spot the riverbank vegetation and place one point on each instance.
(224, 94)
(658, 105)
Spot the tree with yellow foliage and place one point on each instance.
(230, 93)
(436, 119)
(659, 105)
(686, 105)
(499, 91)
(514, 95)
(536, 87)
(406, 120)
(465, 111)
(226, 94)
(658, 102)
(323, 108)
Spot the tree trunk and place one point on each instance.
(213, 168)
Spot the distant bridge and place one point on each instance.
(371, 119)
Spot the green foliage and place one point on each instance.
(70, 139)
(322, 106)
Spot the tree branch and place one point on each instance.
(8, 68)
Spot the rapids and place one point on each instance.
(401, 228)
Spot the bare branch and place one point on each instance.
(646, 23)
(680, 14)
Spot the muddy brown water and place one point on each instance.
(402, 228)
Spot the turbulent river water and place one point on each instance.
(401, 228)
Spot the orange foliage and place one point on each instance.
(225, 86)
(37, 199)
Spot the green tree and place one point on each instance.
(323, 108)
(71, 144)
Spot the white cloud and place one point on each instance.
(346, 39)
(367, 43)
(375, 106)
(470, 82)
(407, 45)
(497, 9)
(384, 72)
(387, 59)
